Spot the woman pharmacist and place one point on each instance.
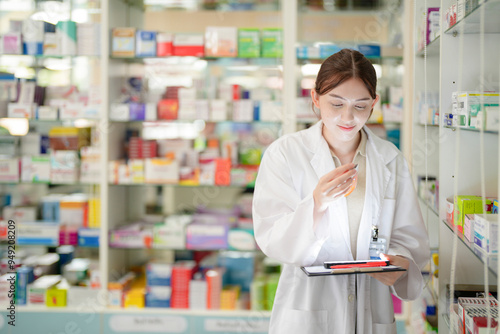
(302, 216)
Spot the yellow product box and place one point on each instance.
(465, 205)
(136, 169)
(69, 138)
(135, 297)
(229, 297)
(56, 296)
(94, 212)
(123, 42)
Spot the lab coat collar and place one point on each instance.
(313, 139)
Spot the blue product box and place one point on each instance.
(145, 43)
(24, 277)
(256, 111)
(50, 211)
(158, 296)
(326, 50)
(203, 236)
(494, 208)
(158, 274)
(38, 233)
(239, 269)
(137, 111)
(88, 237)
(370, 50)
(33, 48)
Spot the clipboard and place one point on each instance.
(322, 271)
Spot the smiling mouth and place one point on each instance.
(346, 128)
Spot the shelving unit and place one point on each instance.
(457, 61)
(126, 202)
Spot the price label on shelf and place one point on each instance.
(239, 325)
(148, 324)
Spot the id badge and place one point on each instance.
(377, 245)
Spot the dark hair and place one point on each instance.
(342, 66)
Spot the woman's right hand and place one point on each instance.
(333, 185)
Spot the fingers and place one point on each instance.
(341, 189)
(346, 178)
(337, 172)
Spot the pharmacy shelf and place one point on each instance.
(432, 49)
(263, 61)
(258, 251)
(190, 121)
(429, 125)
(470, 24)
(454, 128)
(490, 260)
(176, 185)
(430, 207)
(48, 184)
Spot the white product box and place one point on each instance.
(218, 110)
(51, 44)
(90, 172)
(20, 213)
(33, 144)
(171, 234)
(271, 111)
(72, 111)
(35, 169)
(151, 112)
(9, 170)
(187, 110)
(38, 233)
(119, 112)
(492, 118)
(91, 111)
(21, 110)
(136, 170)
(221, 41)
(64, 167)
(38, 289)
(486, 232)
(161, 170)
(47, 113)
(243, 110)
(202, 110)
(187, 94)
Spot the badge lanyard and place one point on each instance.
(377, 245)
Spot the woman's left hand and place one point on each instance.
(391, 277)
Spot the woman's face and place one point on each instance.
(344, 110)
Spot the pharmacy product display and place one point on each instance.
(455, 126)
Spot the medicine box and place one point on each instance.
(88, 237)
(145, 43)
(241, 239)
(69, 138)
(21, 110)
(164, 44)
(9, 170)
(248, 43)
(20, 213)
(172, 233)
(492, 120)
(168, 109)
(25, 276)
(486, 232)
(37, 291)
(158, 274)
(158, 296)
(123, 42)
(207, 236)
(38, 233)
(469, 227)
(35, 169)
(47, 113)
(64, 167)
(161, 170)
(466, 205)
(272, 43)
(137, 235)
(221, 42)
(189, 45)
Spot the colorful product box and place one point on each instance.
(494, 208)
(161, 170)
(137, 111)
(327, 49)
(74, 211)
(34, 144)
(20, 213)
(57, 296)
(35, 169)
(172, 233)
(221, 42)
(38, 233)
(486, 232)
(189, 45)
(241, 239)
(25, 276)
(370, 50)
(12, 43)
(69, 138)
(248, 43)
(119, 112)
(272, 43)
(471, 308)
(37, 291)
(207, 236)
(33, 33)
(64, 167)
(21, 110)
(88, 237)
(47, 113)
(123, 42)
(168, 109)
(137, 235)
(158, 274)
(466, 205)
(158, 296)
(66, 34)
(469, 227)
(164, 44)
(145, 43)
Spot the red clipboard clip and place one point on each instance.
(361, 265)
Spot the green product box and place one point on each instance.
(271, 287)
(250, 156)
(477, 115)
(248, 43)
(258, 293)
(272, 43)
(465, 205)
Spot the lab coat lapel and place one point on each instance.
(322, 163)
(377, 180)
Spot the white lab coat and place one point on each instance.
(283, 224)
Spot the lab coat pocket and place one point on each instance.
(298, 321)
(385, 328)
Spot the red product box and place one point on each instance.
(168, 109)
(189, 45)
(222, 172)
(164, 44)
